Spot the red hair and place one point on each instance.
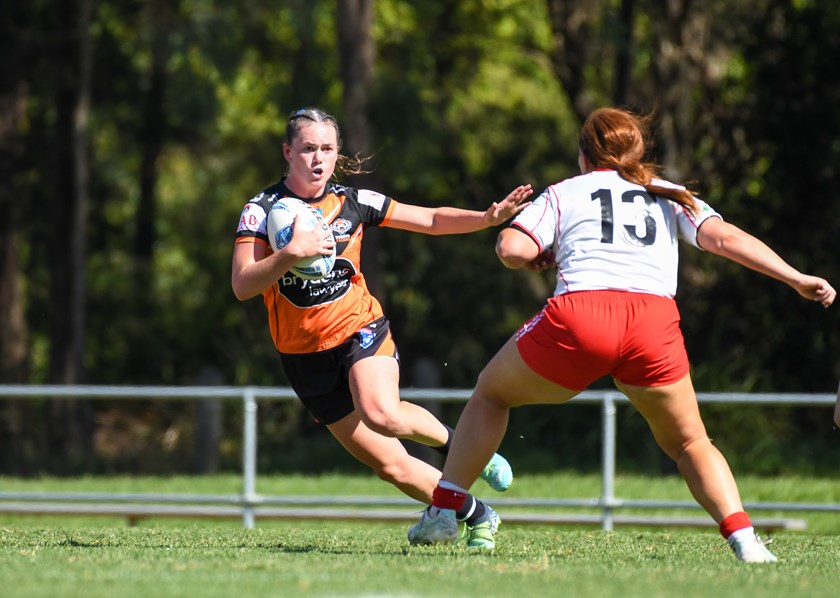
(617, 139)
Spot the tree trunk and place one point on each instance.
(13, 326)
(356, 53)
(151, 138)
(624, 54)
(208, 425)
(571, 28)
(70, 421)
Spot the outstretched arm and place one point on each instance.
(452, 221)
(731, 242)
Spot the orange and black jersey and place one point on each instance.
(306, 316)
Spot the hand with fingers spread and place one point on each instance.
(509, 207)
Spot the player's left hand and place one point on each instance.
(816, 289)
(509, 207)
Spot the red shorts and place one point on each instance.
(580, 337)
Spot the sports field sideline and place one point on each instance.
(103, 556)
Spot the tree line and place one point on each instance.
(131, 135)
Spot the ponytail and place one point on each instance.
(617, 139)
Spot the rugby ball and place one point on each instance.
(280, 224)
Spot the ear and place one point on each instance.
(583, 163)
(287, 152)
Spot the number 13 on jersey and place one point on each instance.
(642, 230)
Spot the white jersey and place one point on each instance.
(609, 233)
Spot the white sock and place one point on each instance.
(450, 486)
(745, 533)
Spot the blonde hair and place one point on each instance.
(618, 139)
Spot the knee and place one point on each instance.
(489, 391)
(392, 471)
(693, 446)
(384, 422)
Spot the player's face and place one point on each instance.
(311, 157)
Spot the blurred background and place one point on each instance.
(132, 132)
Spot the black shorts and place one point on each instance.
(321, 380)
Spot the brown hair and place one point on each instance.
(306, 116)
(617, 139)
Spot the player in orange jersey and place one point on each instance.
(332, 336)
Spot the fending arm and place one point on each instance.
(452, 221)
(729, 241)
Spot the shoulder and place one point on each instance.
(363, 197)
(269, 195)
(666, 183)
(575, 185)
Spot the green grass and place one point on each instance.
(98, 556)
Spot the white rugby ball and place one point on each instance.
(280, 224)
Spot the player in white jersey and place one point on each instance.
(620, 237)
(612, 232)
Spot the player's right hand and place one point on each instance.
(543, 261)
(309, 243)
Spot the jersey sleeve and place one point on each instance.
(374, 208)
(252, 223)
(539, 220)
(688, 222)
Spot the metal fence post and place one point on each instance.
(249, 457)
(608, 461)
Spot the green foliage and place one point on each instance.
(467, 102)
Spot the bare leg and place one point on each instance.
(673, 415)
(505, 382)
(387, 457)
(374, 383)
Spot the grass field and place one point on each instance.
(98, 556)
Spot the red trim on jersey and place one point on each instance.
(531, 236)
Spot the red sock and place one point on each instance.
(444, 498)
(733, 523)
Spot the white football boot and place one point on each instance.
(436, 526)
(749, 548)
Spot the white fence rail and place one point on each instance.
(249, 505)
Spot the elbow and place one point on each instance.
(511, 262)
(719, 237)
(239, 291)
(723, 245)
(508, 253)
